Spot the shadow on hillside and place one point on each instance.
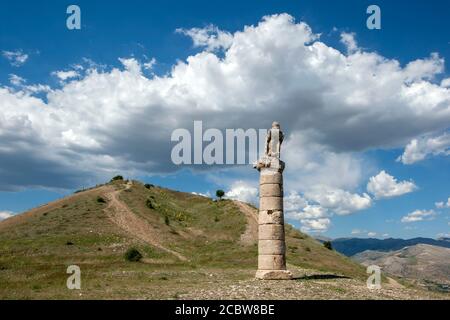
(321, 277)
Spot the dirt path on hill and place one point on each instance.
(300, 288)
(123, 217)
(250, 235)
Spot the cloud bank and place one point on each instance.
(332, 105)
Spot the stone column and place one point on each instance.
(271, 239)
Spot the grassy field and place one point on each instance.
(37, 247)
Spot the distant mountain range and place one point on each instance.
(429, 265)
(352, 246)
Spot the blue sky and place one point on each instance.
(142, 30)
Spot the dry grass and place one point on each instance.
(37, 247)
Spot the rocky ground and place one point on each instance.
(311, 285)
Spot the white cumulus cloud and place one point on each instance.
(419, 215)
(322, 204)
(418, 149)
(383, 185)
(442, 204)
(315, 225)
(16, 80)
(210, 37)
(339, 201)
(445, 83)
(64, 75)
(16, 58)
(308, 212)
(242, 191)
(5, 214)
(348, 39)
(206, 195)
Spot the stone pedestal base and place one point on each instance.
(273, 275)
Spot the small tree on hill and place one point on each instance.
(220, 194)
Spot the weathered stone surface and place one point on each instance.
(271, 203)
(271, 232)
(271, 262)
(271, 217)
(271, 247)
(271, 190)
(270, 177)
(271, 237)
(274, 142)
(274, 275)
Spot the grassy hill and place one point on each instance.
(192, 247)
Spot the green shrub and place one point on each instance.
(166, 220)
(327, 244)
(180, 216)
(117, 178)
(133, 255)
(149, 204)
(100, 200)
(148, 185)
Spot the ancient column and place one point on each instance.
(271, 240)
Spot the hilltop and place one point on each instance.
(192, 247)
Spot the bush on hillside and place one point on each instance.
(117, 178)
(133, 255)
(149, 204)
(328, 245)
